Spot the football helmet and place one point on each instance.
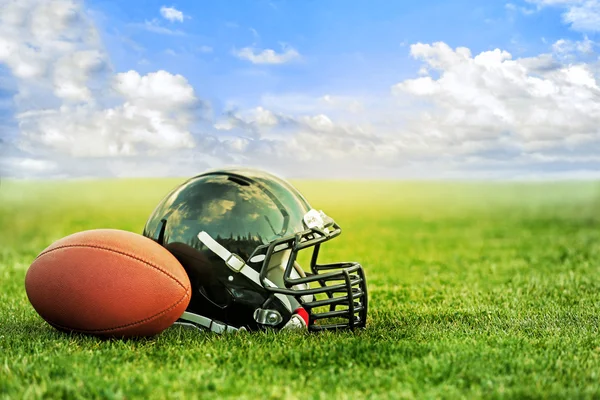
(237, 232)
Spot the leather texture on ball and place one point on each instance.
(108, 282)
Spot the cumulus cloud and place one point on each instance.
(582, 15)
(575, 51)
(155, 115)
(70, 103)
(171, 14)
(492, 97)
(72, 72)
(155, 90)
(487, 114)
(267, 56)
(53, 44)
(258, 116)
(257, 134)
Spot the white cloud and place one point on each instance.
(29, 165)
(349, 104)
(564, 47)
(155, 26)
(53, 38)
(523, 10)
(171, 14)
(541, 63)
(156, 115)
(54, 166)
(155, 90)
(267, 56)
(254, 122)
(69, 102)
(310, 138)
(318, 123)
(582, 15)
(492, 97)
(346, 106)
(486, 114)
(205, 49)
(262, 117)
(483, 115)
(72, 72)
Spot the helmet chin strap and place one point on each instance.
(237, 265)
(195, 320)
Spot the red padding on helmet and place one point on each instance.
(302, 313)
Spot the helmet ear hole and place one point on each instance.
(201, 273)
(217, 298)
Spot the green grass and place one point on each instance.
(476, 290)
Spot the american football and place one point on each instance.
(108, 282)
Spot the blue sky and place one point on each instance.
(348, 47)
(432, 89)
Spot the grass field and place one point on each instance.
(476, 290)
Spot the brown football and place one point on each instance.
(108, 282)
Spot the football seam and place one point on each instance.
(118, 252)
(126, 325)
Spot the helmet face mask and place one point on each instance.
(238, 234)
(326, 291)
